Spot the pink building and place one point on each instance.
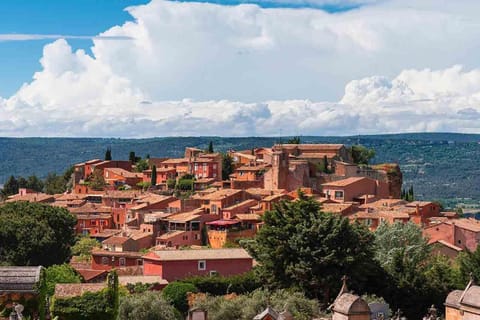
(355, 189)
(178, 264)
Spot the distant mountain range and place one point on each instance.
(438, 165)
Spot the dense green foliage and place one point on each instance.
(63, 273)
(245, 307)
(361, 154)
(101, 305)
(145, 306)
(176, 293)
(141, 165)
(96, 181)
(300, 246)
(35, 234)
(294, 140)
(469, 263)
(219, 285)
(414, 277)
(90, 305)
(83, 247)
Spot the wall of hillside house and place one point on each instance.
(466, 239)
(345, 169)
(98, 263)
(229, 214)
(242, 185)
(183, 205)
(298, 175)
(176, 270)
(92, 225)
(444, 251)
(119, 216)
(217, 238)
(441, 231)
(144, 243)
(186, 238)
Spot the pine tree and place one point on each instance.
(108, 154)
(10, 187)
(154, 176)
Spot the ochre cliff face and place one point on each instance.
(394, 178)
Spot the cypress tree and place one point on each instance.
(154, 176)
(131, 156)
(108, 154)
(210, 147)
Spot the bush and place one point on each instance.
(245, 307)
(147, 305)
(219, 285)
(176, 293)
(90, 305)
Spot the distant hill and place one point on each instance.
(438, 165)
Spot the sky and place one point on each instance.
(133, 68)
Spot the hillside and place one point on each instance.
(439, 165)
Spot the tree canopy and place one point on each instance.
(146, 305)
(300, 246)
(83, 247)
(35, 234)
(63, 273)
(361, 154)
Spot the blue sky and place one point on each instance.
(20, 59)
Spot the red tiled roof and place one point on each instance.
(89, 274)
(115, 240)
(68, 290)
(344, 182)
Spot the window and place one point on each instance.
(214, 209)
(93, 222)
(139, 262)
(122, 262)
(213, 273)
(214, 167)
(105, 261)
(197, 236)
(368, 222)
(338, 194)
(459, 241)
(202, 265)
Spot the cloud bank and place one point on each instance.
(204, 69)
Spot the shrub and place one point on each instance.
(219, 285)
(176, 293)
(146, 305)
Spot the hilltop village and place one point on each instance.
(180, 217)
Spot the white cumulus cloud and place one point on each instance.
(205, 69)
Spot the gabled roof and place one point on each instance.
(68, 290)
(125, 173)
(19, 279)
(220, 194)
(115, 240)
(344, 182)
(32, 197)
(200, 254)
